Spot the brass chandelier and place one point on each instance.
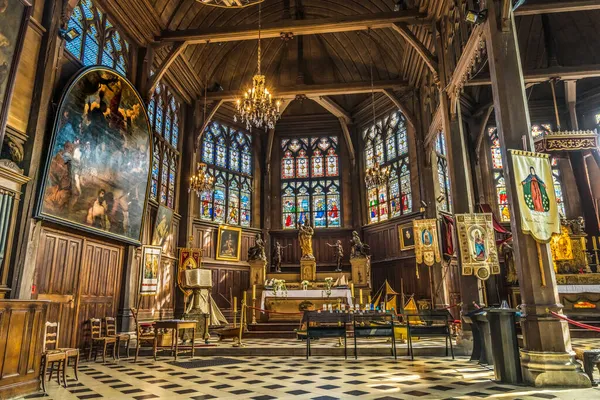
(202, 181)
(375, 176)
(257, 108)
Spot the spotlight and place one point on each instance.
(400, 5)
(69, 34)
(476, 17)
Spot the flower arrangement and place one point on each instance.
(279, 284)
(305, 284)
(328, 283)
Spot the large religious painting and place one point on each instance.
(535, 193)
(229, 243)
(98, 167)
(150, 266)
(477, 241)
(162, 235)
(14, 16)
(427, 248)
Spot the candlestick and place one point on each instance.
(235, 304)
(360, 298)
(352, 290)
(369, 299)
(253, 292)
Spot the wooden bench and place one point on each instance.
(326, 325)
(434, 324)
(374, 325)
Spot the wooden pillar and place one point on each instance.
(546, 355)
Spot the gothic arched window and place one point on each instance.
(99, 42)
(228, 153)
(164, 113)
(441, 152)
(386, 142)
(310, 186)
(498, 175)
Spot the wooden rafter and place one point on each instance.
(407, 113)
(543, 75)
(177, 49)
(210, 114)
(271, 138)
(333, 108)
(551, 7)
(297, 27)
(429, 59)
(333, 89)
(348, 139)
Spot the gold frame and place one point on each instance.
(403, 247)
(223, 228)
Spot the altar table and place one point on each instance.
(308, 294)
(175, 325)
(285, 306)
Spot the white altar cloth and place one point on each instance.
(308, 294)
(566, 289)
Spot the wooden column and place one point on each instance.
(545, 357)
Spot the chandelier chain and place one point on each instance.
(259, 36)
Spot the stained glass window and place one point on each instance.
(228, 153)
(387, 142)
(98, 43)
(441, 152)
(498, 175)
(558, 187)
(538, 130)
(309, 189)
(598, 122)
(163, 113)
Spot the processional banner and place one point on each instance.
(150, 265)
(477, 242)
(535, 193)
(427, 248)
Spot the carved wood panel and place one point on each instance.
(324, 254)
(401, 274)
(228, 282)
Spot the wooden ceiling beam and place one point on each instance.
(333, 89)
(543, 75)
(345, 23)
(551, 7)
(210, 115)
(177, 49)
(333, 108)
(407, 113)
(429, 59)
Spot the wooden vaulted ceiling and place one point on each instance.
(342, 57)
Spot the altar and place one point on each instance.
(292, 303)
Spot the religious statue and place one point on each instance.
(358, 249)
(257, 252)
(339, 254)
(277, 251)
(305, 234)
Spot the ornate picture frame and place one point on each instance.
(102, 127)
(151, 258)
(14, 18)
(407, 236)
(229, 243)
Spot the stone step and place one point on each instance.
(273, 327)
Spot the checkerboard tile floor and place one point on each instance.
(320, 378)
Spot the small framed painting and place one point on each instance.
(150, 266)
(407, 237)
(229, 242)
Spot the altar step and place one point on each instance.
(265, 330)
(295, 276)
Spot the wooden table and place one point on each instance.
(175, 325)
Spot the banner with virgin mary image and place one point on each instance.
(427, 248)
(98, 168)
(476, 238)
(535, 194)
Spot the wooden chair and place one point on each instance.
(51, 354)
(71, 353)
(97, 341)
(144, 332)
(110, 329)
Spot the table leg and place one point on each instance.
(174, 341)
(175, 334)
(155, 343)
(193, 340)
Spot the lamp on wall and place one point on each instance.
(476, 17)
(69, 34)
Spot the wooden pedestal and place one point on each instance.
(361, 271)
(258, 272)
(308, 270)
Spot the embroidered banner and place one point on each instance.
(535, 193)
(150, 265)
(427, 248)
(478, 254)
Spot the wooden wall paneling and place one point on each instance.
(21, 335)
(324, 254)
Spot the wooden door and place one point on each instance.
(56, 279)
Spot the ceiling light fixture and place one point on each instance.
(257, 108)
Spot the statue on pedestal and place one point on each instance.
(257, 252)
(358, 248)
(276, 260)
(339, 254)
(305, 235)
